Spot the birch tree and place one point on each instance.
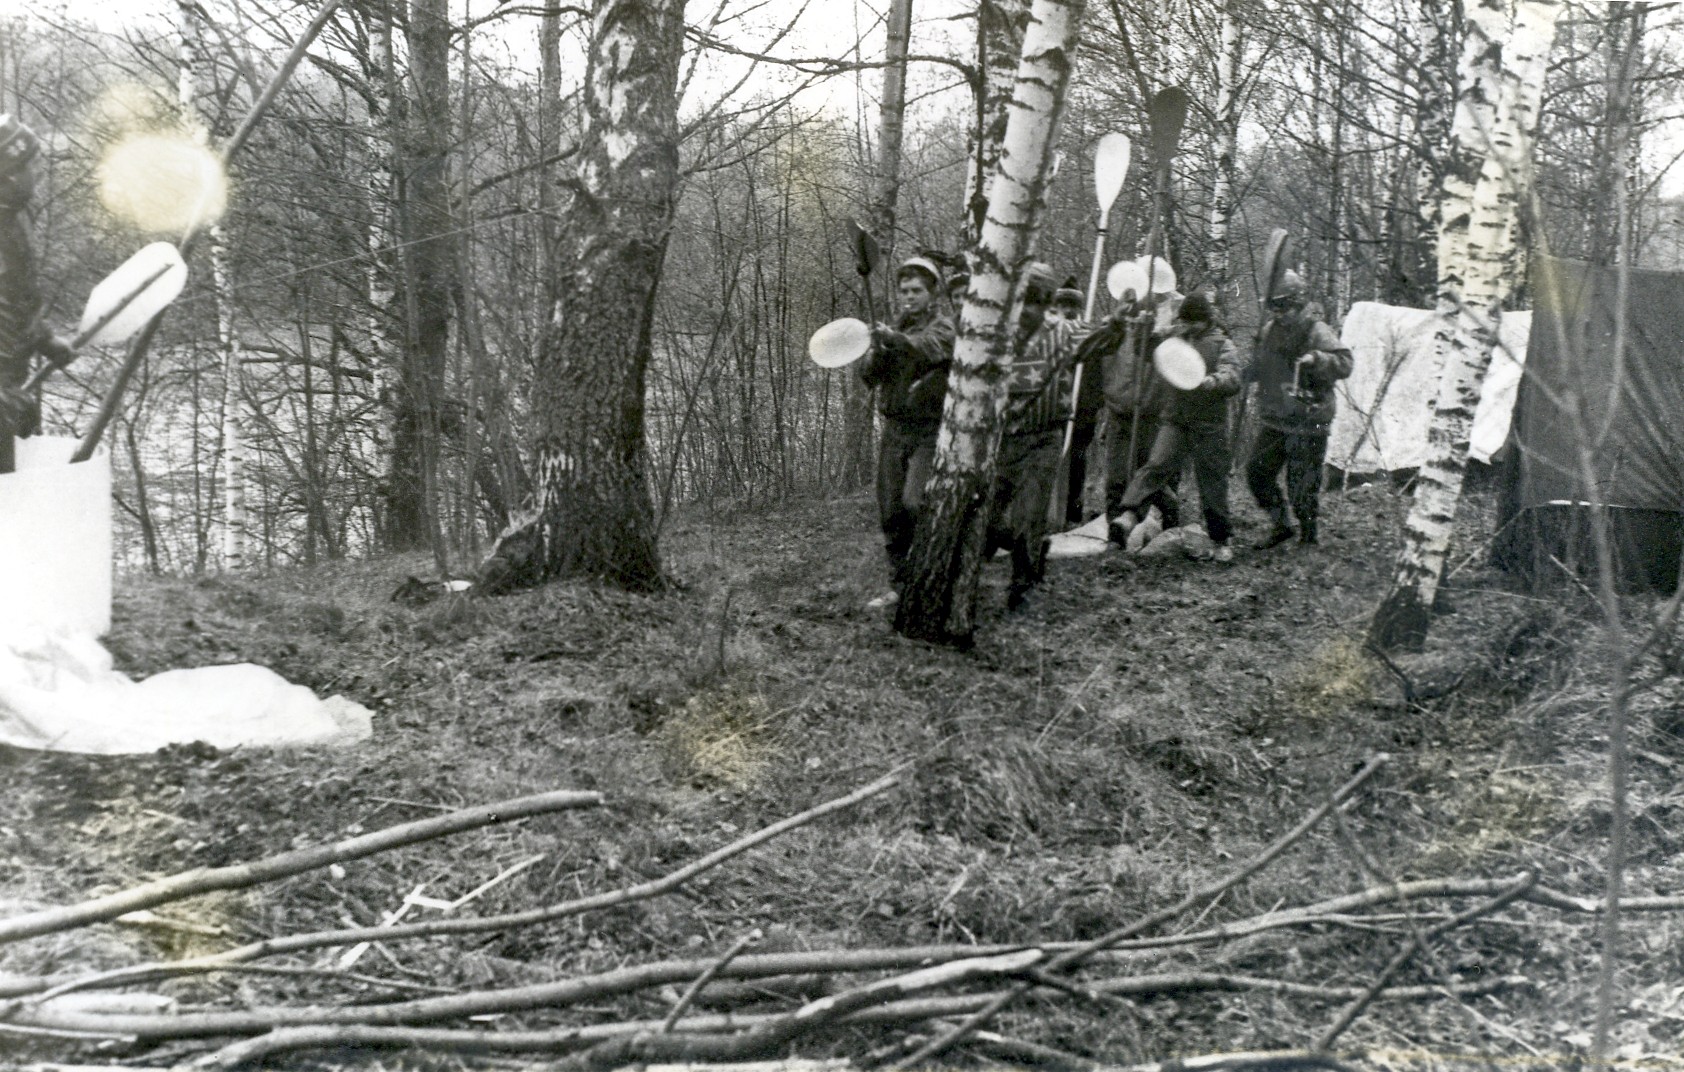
(1228, 51)
(945, 563)
(1498, 82)
(1000, 30)
(592, 513)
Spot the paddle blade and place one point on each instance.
(840, 342)
(1166, 114)
(1274, 261)
(867, 254)
(1110, 168)
(1179, 362)
(1157, 269)
(1126, 277)
(137, 291)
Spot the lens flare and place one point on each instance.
(163, 183)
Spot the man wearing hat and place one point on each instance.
(1193, 427)
(1037, 400)
(1296, 365)
(908, 363)
(22, 334)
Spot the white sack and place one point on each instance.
(59, 693)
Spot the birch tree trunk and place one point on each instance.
(1000, 29)
(939, 600)
(1471, 280)
(858, 423)
(1227, 146)
(378, 273)
(228, 345)
(593, 515)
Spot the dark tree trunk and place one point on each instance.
(425, 223)
(592, 513)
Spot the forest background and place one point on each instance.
(354, 372)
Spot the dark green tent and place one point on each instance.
(1630, 402)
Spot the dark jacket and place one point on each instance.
(1203, 405)
(1285, 340)
(910, 366)
(1129, 383)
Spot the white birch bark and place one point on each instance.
(1000, 29)
(234, 525)
(1470, 299)
(939, 601)
(1227, 146)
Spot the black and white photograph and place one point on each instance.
(841, 535)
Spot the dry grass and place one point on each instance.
(1139, 728)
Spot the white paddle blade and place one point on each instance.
(1110, 168)
(840, 342)
(1162, 275)
(1179, 362)
(137, 291)
(1126, 276)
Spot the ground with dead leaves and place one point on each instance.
(1135, 731)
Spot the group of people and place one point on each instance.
(1154, 428)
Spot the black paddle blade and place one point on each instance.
(1166, 114)
(1275, 260)
(867, 254)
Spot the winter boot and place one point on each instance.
(1307, 531)
(1279, 533)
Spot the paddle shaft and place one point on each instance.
(1144, 342)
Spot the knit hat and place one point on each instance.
(1196, 309)
(1069, 294)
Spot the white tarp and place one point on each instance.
(1386, 405)
(59, 693)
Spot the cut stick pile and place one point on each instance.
(924, 1000)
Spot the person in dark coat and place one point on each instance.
(1069, 304)
(23, 335)
(1295, 367)
(1193, 426)
(1037, 406)
(908, 364)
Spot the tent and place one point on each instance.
(1386, 405)
(1629, 402)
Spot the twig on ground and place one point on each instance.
(573, 1039)
(1404, 955)
(1075, 956)
(286, 864)
(642, 891)
(688, 998)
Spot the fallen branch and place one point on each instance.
(286, 864)
(1415, 945)
(688, 998)
(573, 1040)
(347, 936)
(926, 1054)
(1334, 911)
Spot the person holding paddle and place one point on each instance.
(1298, 360)
(1038, 389)
(908, 363)
(1193, 426)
